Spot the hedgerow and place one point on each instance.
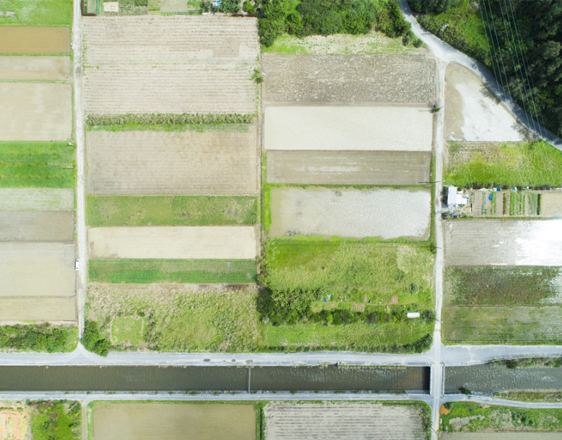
(165, 118)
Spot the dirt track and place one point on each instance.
(172, 163)
(348, 167)
(37, 226)
(33, 39)
(35, 68)
(33, 199)
(181, 242)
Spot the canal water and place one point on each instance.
(152, 378)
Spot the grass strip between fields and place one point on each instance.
(170, 118)
(199, 128)
(171, 210)
(173, 271)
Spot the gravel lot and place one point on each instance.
(31, 199)
(349, 78)
(173, 242)
(348, 128)
(34, 39)
(35, 68)
(37, 226)
(348, 212)
(172, 163)
(358, 421)
(503, 242)
(348, 167)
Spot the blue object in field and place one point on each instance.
(324, 299)
(490, 197)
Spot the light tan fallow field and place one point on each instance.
(56, 68)
(37, 226)
(34, 39)
(37, 309)
(36, 199)
(174, 242)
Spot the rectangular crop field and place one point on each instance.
(131, 421)
(37, 269)
(37, 226)
(35, 111)
(336, 421)
(172, 163)
(349, 78)
(501, 436)
(34, 199)
(37, 309)
(22, 39)
(173, 271)
(179, 64)
(171, 210)
(348, 167)
(349, 212)
(503, 242)
(35, 68)
(37, 12)
(168, 242)
(348, 128)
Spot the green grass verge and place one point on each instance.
(172, 271)
(39, 338)
(37, 164)
(37, 12)
(531, 396)
(473, 417)
(199, 128)
(171, 210)
(168, 119)
(534, 165)
(60, 420)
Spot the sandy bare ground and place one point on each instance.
(178, 64)
(349, 78)
(348, 128)
(172, 163)
(35, 112)
(117, 421)
(35, 68)
(551, 204)
(501, 436)
(358, 421)
(503, 242)
(348, 167)
(37, 269)
(32, 199)
(181, 242)
(37, 309)
(14, 423)
(348, 212)
(34, 39)
(473, 113)
(37, 226)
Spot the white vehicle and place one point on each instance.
(77, 264)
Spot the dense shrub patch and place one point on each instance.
(43, 337)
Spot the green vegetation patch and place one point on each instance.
(171, 118)
(199, 128)
(172, 271)
(502, 285)
(473, 417)
(55, 420)
(37, 164)
(536, 165)
(171, 210)
(39, 337)
(531, 396)
(37, 12)
(129, 330)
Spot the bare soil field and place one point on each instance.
(172, 163)
(37, 226)
(32, 199)
(551, 204)
(348, 212)
(35, 111)
(173, 242)
(501, 436)
(179, 64)
(34, 39)
(348, 167)
(37, 269)
(358, 421)
(128, 421)
(348, 128)
(472, 111)
(14, 423)
(35, 68)
(37, 309)
(349, 78)
(503, 242)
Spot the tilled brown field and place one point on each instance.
(32, 39)
(358, 421)
(349, 78)
(178, 64)
(35, 68)
(348, 167)
(37, 269)
(37, 309)
(172, 163)
(37, 226)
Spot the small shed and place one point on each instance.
(455, 197)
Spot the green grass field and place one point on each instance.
(129, 330)
(531, 396)
(60, 420)
(172, 271)
(510, 164)
(37, 12)
(353, 270)
(171, 210)
(37, 165)
(473, 417)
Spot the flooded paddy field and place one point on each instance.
(34, 39)
(35, 68)
(36, 199)
(348, 212)
(41, 226)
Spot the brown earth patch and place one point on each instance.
(34, 39)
